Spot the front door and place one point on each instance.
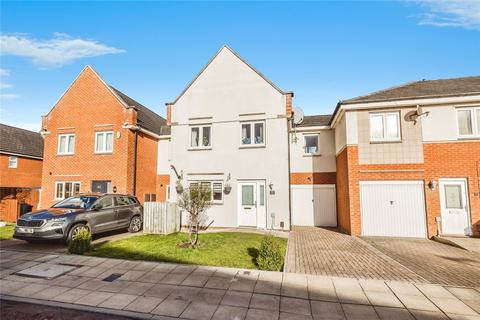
(252, 209)
(454, 207)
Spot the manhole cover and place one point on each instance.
(46, 271)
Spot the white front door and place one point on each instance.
(251, 198)
(454, 207)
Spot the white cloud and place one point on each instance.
(62, 49)
(4, 72)
(4, 85)
(451, 13)
(8, 96)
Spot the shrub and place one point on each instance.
(270, 255)
(81, 243)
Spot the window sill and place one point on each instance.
(385, 141)
(312, 155)
(468, 138)
(103, 153)
(199, 149)
(65, 154)
(251, 146)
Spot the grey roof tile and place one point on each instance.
(20, 141)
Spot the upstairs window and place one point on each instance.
(253, 133)
(66, 144)
(104, 142)
(468, 122)
(200, 136)
(311, 144)
(12, 162)
(385, 126)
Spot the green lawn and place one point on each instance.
(227, 249)
(6, 232)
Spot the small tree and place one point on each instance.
(195, 200)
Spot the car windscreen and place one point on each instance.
(78, 202)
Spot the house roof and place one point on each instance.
(315, 121)
(241, 59)
(20, 141)
(423, 89)
(146, 118)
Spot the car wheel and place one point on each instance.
(135, 224)
(74, 231)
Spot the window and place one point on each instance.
(453, 197)
(105, 203)
(150, 197)
(253, 133)
(200, 137)
(468, 121)
(385, 126)
(167, 190)
(311, 144)
(104, 142)
(12, 162)
(66, 189)
(66, 144)
(122, 201)
(215, 187)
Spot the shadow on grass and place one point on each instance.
(253, 252)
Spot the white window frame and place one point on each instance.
(200, 133)
(316, 135)
(475, 126)
(252, 134)
(66, 135)
(63, 188)
(104, 146)
(384, 116)
(12, 162)
(211, 189)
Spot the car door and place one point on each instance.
(103, 217)
(124, 211)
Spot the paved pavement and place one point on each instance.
(330, 253)
(435, 262)
(166, 291)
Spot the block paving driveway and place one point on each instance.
(165, 291)
(327, 252)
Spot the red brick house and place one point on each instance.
(97, 139)
(21, 154)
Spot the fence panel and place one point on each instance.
(9, 210)
(161, 217)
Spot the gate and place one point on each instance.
(161, 217)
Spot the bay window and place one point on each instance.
(385, 126)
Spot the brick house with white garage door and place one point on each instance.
(408, 160)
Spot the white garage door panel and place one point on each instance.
(314, 205)
(393, 208)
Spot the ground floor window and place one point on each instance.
(150, 197)
(103, 186)
(66, 189)
(216, 189)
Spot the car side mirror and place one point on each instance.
(94, 208)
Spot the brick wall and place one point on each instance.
(87, 107)
(162, 182)
(288, 106)
(312, 178)
(442, 160)
(27, 174)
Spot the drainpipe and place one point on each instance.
(289, 182)
(135, 162)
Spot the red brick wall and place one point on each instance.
(312, 178)
(162, 181)
(441, 160)
(27, 174)
(288, 107)
(343, 196)
(89, 106)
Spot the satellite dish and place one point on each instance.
(298, 115)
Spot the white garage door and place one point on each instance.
(393, 208)
(314, 205)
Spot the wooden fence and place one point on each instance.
(161, 217)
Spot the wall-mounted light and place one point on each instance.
(114, 189)
(227, 187)
(432, 185)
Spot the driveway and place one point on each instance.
(433, 261)
(328, 252)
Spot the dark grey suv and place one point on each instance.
(97, 212)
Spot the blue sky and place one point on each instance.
(323, 51)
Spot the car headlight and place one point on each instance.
(58, 221)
